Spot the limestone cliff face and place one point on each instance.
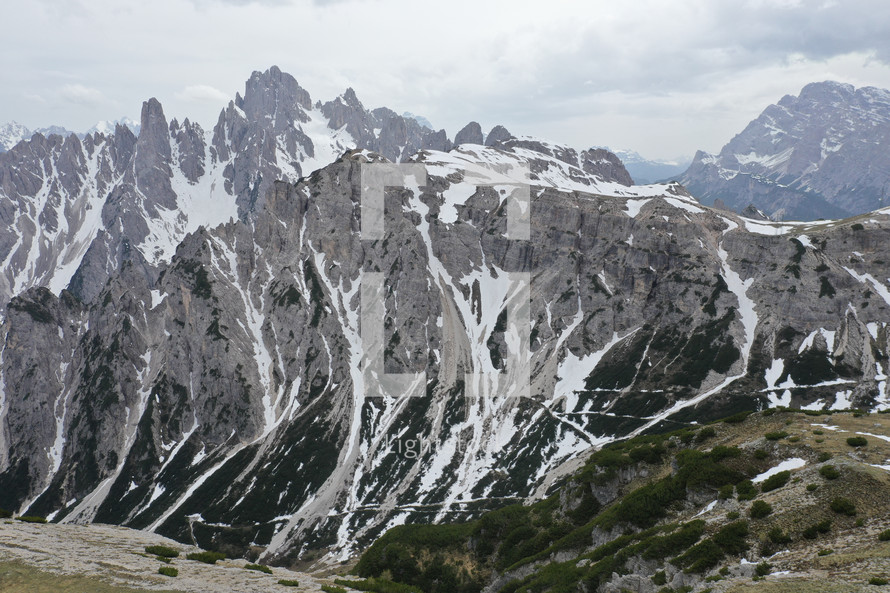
(222, 398)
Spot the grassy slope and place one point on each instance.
(661, 484)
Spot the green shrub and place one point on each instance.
(860, 522)
(332, 589)
(818, 432)
(824, 456)
(857, 441)
(843, 506)
(725, 492)
(168, 571)
(877, 581)
(733, 515)
(705, 433)
(377, 586)
(760, 454)
(737, 418)
(732, 537)
(777, 536)
(825, 552)
(258, 568)
(162, 551)
(746, 490)
(32, 519)
(4, 514)
(647, 453)
(813, 531)
(659, 578)
(288, 583)
(205, 557)
(884, 536)
(776, 435)
(763, 569)
(760, 509)
(829, 472)
(657, 548)
(775, 481)
(721, 452)
(701, 557)
(812, 487)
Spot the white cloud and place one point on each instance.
(203, 93)
(84, 95)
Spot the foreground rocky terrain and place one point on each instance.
(36, 558)
(772, 502)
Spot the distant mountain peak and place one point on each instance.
(11, 134)
(419, 119)
(645, 170)
(106, 127)
(820, 154)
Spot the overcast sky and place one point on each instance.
(662, 77)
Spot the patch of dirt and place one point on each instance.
(52, 558)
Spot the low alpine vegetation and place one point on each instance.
(168, 571)
(813, 531)
(775, 481)
(760, 509)
(829, 472)
(288, 583)
(162, 551)
(777, 435)
(377, 586)
(258, 568)
(205, 557)
(31, 519)
(843, 506)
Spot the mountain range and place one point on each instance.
(183, 342)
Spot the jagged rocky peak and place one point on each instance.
(153, 134)
(274, 94)
(469, 134)
(498, 135)
(346, 110)
(153, 156)
(606, 164)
